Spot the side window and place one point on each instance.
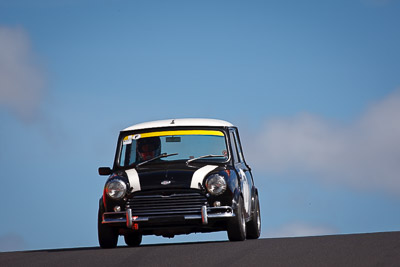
(239, 147)
(233, 146)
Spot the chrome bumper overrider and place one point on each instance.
(207, 213)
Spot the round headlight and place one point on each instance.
(116, 189)
(216, 184)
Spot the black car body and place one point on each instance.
(175, 177)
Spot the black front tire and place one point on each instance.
(133, 240)
(108, 236)
(237, 224)
(254, 225)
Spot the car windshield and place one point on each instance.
(182, 144)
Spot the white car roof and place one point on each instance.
(179, 122)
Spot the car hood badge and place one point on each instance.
(166, 182)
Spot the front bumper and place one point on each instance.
(205, 214)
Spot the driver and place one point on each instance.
(148, 148)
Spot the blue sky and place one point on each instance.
(313, 86)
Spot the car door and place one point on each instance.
(243, 170)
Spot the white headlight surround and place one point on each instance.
(116, 189)
(216, 184)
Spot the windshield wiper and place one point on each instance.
(163, 155)
(205, 156)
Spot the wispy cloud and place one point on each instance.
(12, 242)
(379, 3)
(22, 80)
(363, 154)
(299, 229)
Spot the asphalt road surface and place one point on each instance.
(376, 249)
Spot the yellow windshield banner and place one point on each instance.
(174, 133)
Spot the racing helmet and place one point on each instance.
(148, 148)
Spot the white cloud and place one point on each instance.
(21, 79)
(363, 154)
(299, 229)
(12, 242)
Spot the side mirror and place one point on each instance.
(105, 171)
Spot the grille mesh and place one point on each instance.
(159, 205)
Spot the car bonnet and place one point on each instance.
(163, 177)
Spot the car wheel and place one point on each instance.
(253, 227)
(108, 236)
(133, 240)
(237, 224)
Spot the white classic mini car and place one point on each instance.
(178, 176)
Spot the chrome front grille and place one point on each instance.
(172, 204)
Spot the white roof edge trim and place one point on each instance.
(179, 122)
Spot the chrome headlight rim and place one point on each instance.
(116, 189)
(216, 184)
